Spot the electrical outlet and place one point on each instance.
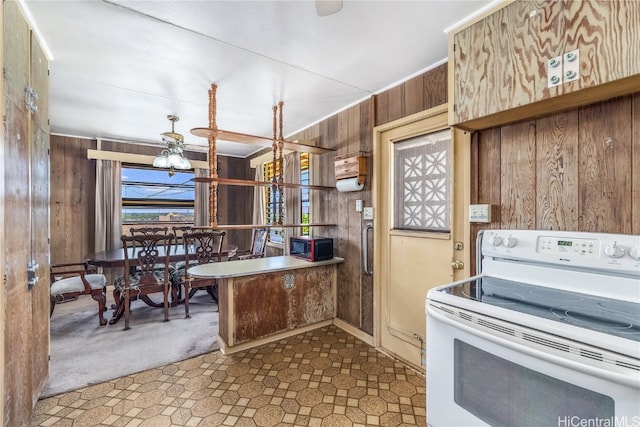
(358, 205)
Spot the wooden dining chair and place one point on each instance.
(258, 245)
(69, 280)
(148, 230)
(151, 251)
(179, 230)
(200, 247)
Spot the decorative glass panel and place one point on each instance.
(422, 187)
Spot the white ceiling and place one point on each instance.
(120, 67)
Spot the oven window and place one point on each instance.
(502, 393)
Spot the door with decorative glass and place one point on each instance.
(420, 189)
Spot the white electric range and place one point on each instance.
(547, 334)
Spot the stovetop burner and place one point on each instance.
(614, 317)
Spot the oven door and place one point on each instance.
(476, 378)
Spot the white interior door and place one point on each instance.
(420, 208)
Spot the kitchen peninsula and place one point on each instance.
(265, 299)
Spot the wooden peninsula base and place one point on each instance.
(266, 299)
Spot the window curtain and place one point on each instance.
(201, 211)
(293, 213)
(108, 217)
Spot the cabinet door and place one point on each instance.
(40, 223)
(500, 62)
(26, 223)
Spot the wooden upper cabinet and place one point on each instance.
(498, 65)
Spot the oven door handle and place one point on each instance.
(618, 378)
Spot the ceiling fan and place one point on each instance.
(328, 7)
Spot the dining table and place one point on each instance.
(114, 258)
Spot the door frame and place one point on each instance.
(461, 229)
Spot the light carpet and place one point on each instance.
(84, 353)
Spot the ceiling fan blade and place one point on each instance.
(328, 7)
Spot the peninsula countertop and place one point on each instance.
(248, 267)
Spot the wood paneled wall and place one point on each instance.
(73, 183)
(235, 203)
(349, 131)
(73, 195)
(577, 170)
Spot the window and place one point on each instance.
(151, 196)
(422, 183)
(305, 201)
(272, 200)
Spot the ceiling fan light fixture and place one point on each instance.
(328, 7)
(172, 157)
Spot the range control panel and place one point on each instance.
(568, 245)
(614, 252)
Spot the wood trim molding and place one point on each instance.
(134, 158)
(2, 244)
(545, 107)
(431, 112)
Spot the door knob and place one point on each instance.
(456, 264)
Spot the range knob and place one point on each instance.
(495, 240)
(614, 251)
(510, 242)
(635, 253)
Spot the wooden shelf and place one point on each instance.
(244, 182)
(260, 141)
(250, 226)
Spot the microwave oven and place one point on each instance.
(311, 248)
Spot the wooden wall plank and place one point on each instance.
(395, 106)
(57, 198)
(352, 266)
(366, 145)
(341, 243)
(635, 166)
(435, 87)
(518, 176)
(485, 178)
(605, 167)
(414, 95)
(382, 110)
(557, 170)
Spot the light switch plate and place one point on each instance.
(368, 213)
(358, 205)
(480, 213)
